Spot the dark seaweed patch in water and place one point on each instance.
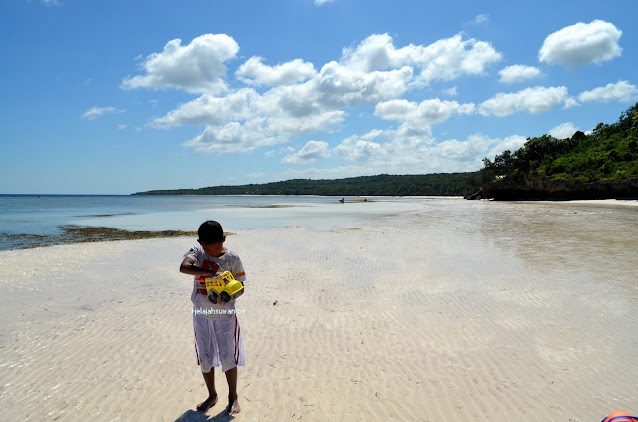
(76, 234)
(105, 215)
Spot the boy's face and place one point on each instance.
(214, 248)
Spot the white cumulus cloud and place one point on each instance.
(254, 72)
(233, 137)
(291, 126)
(534, 100)
(450, 58)
(518, 73)
(445, 59)
(581, 44)
(339, 86)
(311, 152)
(429, 112)
(197, 67)
(621, 91)
(360, 148)
(211, 110)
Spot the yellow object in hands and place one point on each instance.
(223, 286)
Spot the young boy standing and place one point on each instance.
(218, 339)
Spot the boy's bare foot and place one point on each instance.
(207, 404)
(233, 407)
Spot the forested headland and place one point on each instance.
(601, 164)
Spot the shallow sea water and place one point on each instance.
(22, 216)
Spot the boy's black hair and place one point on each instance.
(210, 232)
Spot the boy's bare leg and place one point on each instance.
(233, 404)
(209, 379)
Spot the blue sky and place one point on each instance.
(115, 97)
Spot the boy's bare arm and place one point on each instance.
(188, 267)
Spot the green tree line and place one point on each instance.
(438, 184)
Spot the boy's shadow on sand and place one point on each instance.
(195, 416)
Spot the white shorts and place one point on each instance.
(218, 343)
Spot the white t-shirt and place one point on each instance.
(227, 262)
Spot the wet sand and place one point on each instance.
(465, 310)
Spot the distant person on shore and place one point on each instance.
(218, 340)
(342, 200)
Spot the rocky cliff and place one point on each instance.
(538, 189)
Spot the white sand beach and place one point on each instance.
(474, 311)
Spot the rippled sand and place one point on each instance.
(461, 311)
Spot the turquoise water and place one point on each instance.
(45, 214)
